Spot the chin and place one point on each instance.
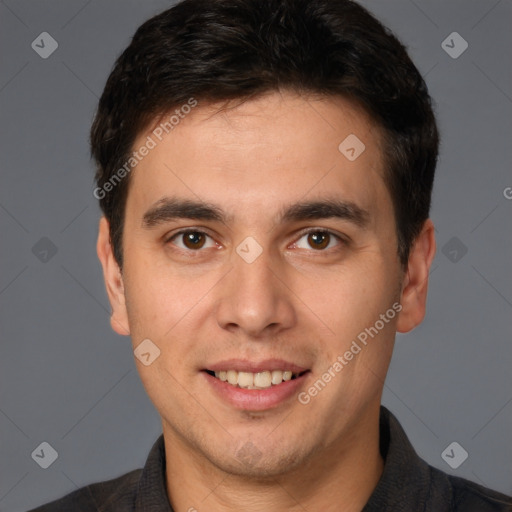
(259, 465)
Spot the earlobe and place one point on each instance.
(113, 280)
(415, 285)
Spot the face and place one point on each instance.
(256, 250)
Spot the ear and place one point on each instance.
(414, 287)
(113, 280)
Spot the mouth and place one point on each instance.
(259, 380)
(252, 386)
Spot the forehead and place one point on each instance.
(253, 157)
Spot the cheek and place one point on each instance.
(351, 301)
(355, 291)
(162, 302)
(153, 306)
(149, 301)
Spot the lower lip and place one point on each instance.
(256, 399)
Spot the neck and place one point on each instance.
(338, 477)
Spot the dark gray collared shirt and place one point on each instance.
(408, 484)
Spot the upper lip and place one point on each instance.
(244, 365)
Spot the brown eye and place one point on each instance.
(191, 240)
(194, 240)
(319, 239)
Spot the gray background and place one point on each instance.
(67, 379)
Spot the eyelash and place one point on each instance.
(342, 241)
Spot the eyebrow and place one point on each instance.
(326, 209)
(168, 209)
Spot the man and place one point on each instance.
(265, 169)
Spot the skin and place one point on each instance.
(294, 302)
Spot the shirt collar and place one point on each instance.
(406, 480)
(152, 487)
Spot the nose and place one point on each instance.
(255, 299)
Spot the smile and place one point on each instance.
(259, 380)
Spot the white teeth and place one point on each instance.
(232, 377)
(260, 380)
(263, 380)
(277, 377)
(245, 379)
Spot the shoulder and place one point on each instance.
(468, 496)
(117, 494)
(472, 496)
